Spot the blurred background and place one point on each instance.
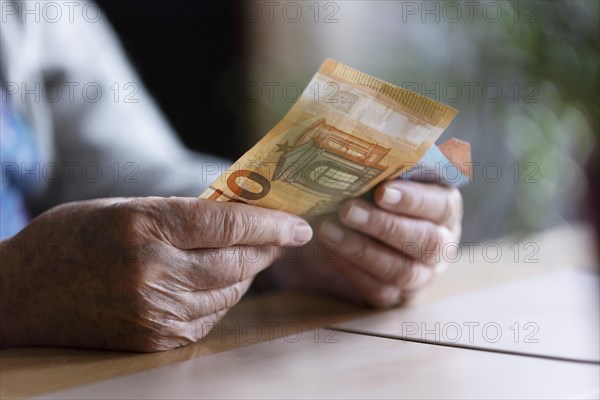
(523, 75)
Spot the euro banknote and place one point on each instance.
(347, 132)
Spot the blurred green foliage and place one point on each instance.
(554, 44)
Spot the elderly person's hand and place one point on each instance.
(142, 274)
(380, 253)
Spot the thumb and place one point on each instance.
(197, 223)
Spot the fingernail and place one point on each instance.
(302, 233)
(358, 215)
(332, 231)
(391, 196)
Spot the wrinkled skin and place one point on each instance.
(152, 274)
(388, 252)
(144, 274)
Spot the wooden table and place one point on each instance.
(27, 372)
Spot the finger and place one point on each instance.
(369, 289)
(206, 302)
(421, 276)
(190, 223)
(436, 203)
(202, 326)
(421, 240)
(382, 262)
(221, 268)
(183, 333)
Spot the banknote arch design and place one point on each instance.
(328, 161)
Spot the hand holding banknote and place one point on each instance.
(143, 274)
(379, 252)
(348, 134)
(152, 273)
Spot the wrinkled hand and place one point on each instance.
(382, 253)
(142, 274)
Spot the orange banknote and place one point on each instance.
(346, 133)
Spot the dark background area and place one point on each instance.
(190, 56)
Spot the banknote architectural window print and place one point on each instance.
(328, 161)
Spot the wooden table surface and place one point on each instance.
(28, 372)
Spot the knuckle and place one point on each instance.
(400, 266)
(436, 239)
(390, 273)
(233, 295)
(134, 222)
(240, 224)
(406, 276)
(388, 228)
(233, 223)
(130, 218)
(415, 201)
(446, 236)
(420, 234)
(157, 320)
(282, 232)
(389, 266)
(358, 247)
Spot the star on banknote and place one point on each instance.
(283, 147)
